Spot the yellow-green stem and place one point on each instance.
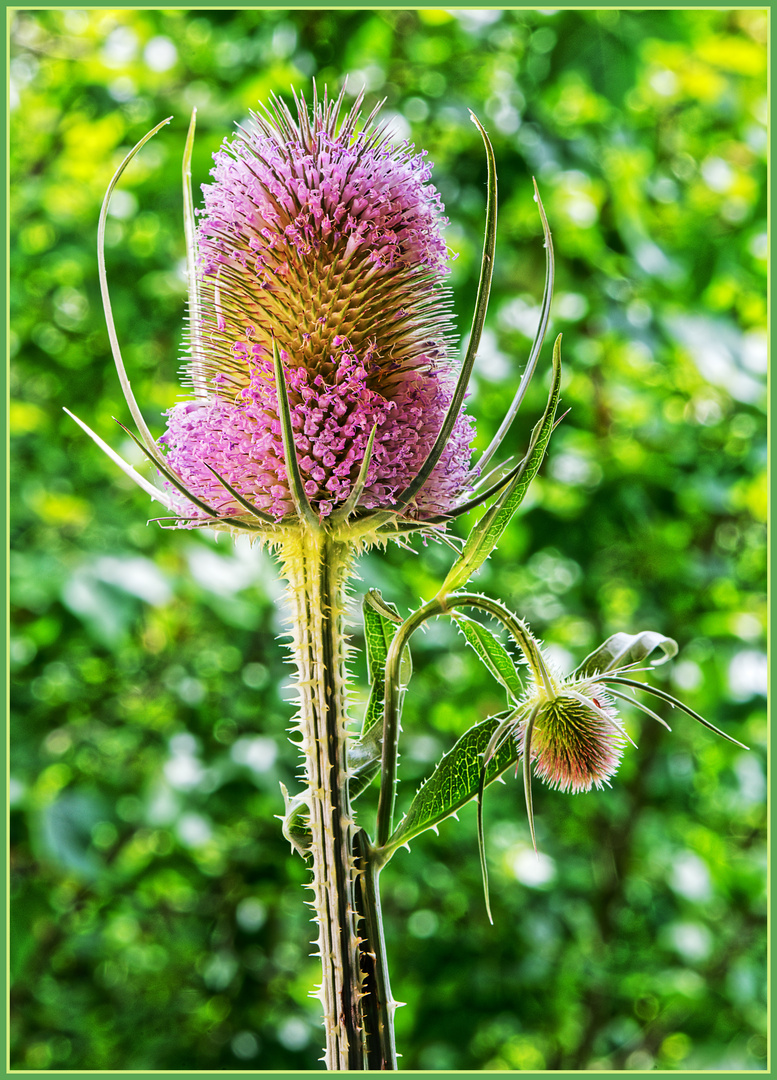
(316, 567)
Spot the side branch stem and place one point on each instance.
(392, 710)
(379, 1005)
(391, 714)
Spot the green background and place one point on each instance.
(158, 918)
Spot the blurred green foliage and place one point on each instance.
(158, 920)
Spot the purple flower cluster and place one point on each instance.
(321, 235)
(241, 439)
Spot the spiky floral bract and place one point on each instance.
(319, 235)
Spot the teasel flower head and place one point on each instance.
(568, 728)
(323, 240)
(323, 384)
(578, 743)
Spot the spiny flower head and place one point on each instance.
(576, 743)
(325, 395)
(567, 727)
(322, 239)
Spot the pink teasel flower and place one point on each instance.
(320, 342)
(322, 237)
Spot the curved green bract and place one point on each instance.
(476, 330)
(296, 488)
(619, 680)
(177, 483)
(539, 337)
(484, 536)
(621, 650)
(352, 501)
(253, 510)
(148, 442)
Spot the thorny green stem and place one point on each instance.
(316, 567)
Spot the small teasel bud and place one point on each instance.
(576, 742)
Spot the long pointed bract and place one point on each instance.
(482, 846)
(296, 487)
(527, 737)
(356, 492)
(485, 534)
(478, 319)
(137, 416)
(257, 513)
(170, 476)
(539, 338)
(672, 701)
(127, 469)
(484, 496)
(494, 744)
(638, 705)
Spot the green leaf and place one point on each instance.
(296, 827)
(485, 534)
(363, 774)
(620, 650)
(493, 654)
(381, 621)
(455, 780)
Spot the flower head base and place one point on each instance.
(322, 237)
(576, 744)
(240, 437)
